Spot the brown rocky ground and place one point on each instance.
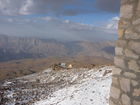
(23, 67)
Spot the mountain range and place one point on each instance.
(14, 48)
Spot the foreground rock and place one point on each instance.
(73, 87)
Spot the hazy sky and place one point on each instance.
(60, 19)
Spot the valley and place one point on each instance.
(20, 56)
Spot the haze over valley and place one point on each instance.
(27, 55)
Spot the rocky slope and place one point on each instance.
(64, 87)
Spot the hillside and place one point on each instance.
(17, 68)
(64, 87)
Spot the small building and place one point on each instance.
(63, 65)
(60, 66)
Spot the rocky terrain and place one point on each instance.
(18, 68)
(64, 87)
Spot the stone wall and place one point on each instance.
(125, 88)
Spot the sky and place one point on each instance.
(60, 19)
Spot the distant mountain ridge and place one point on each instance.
(13, 48)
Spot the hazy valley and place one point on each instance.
(21, 56)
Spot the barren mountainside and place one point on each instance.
(64, 87)
(13, 48)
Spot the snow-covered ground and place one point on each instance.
(91, 90)
(64, 87)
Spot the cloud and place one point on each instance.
(7, 7)
(25, 7)
(113, 23)
(47, 18)
(57, 7)
(67, 21)
(112, 6)
(54, 28)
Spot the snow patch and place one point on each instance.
(93, 91)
